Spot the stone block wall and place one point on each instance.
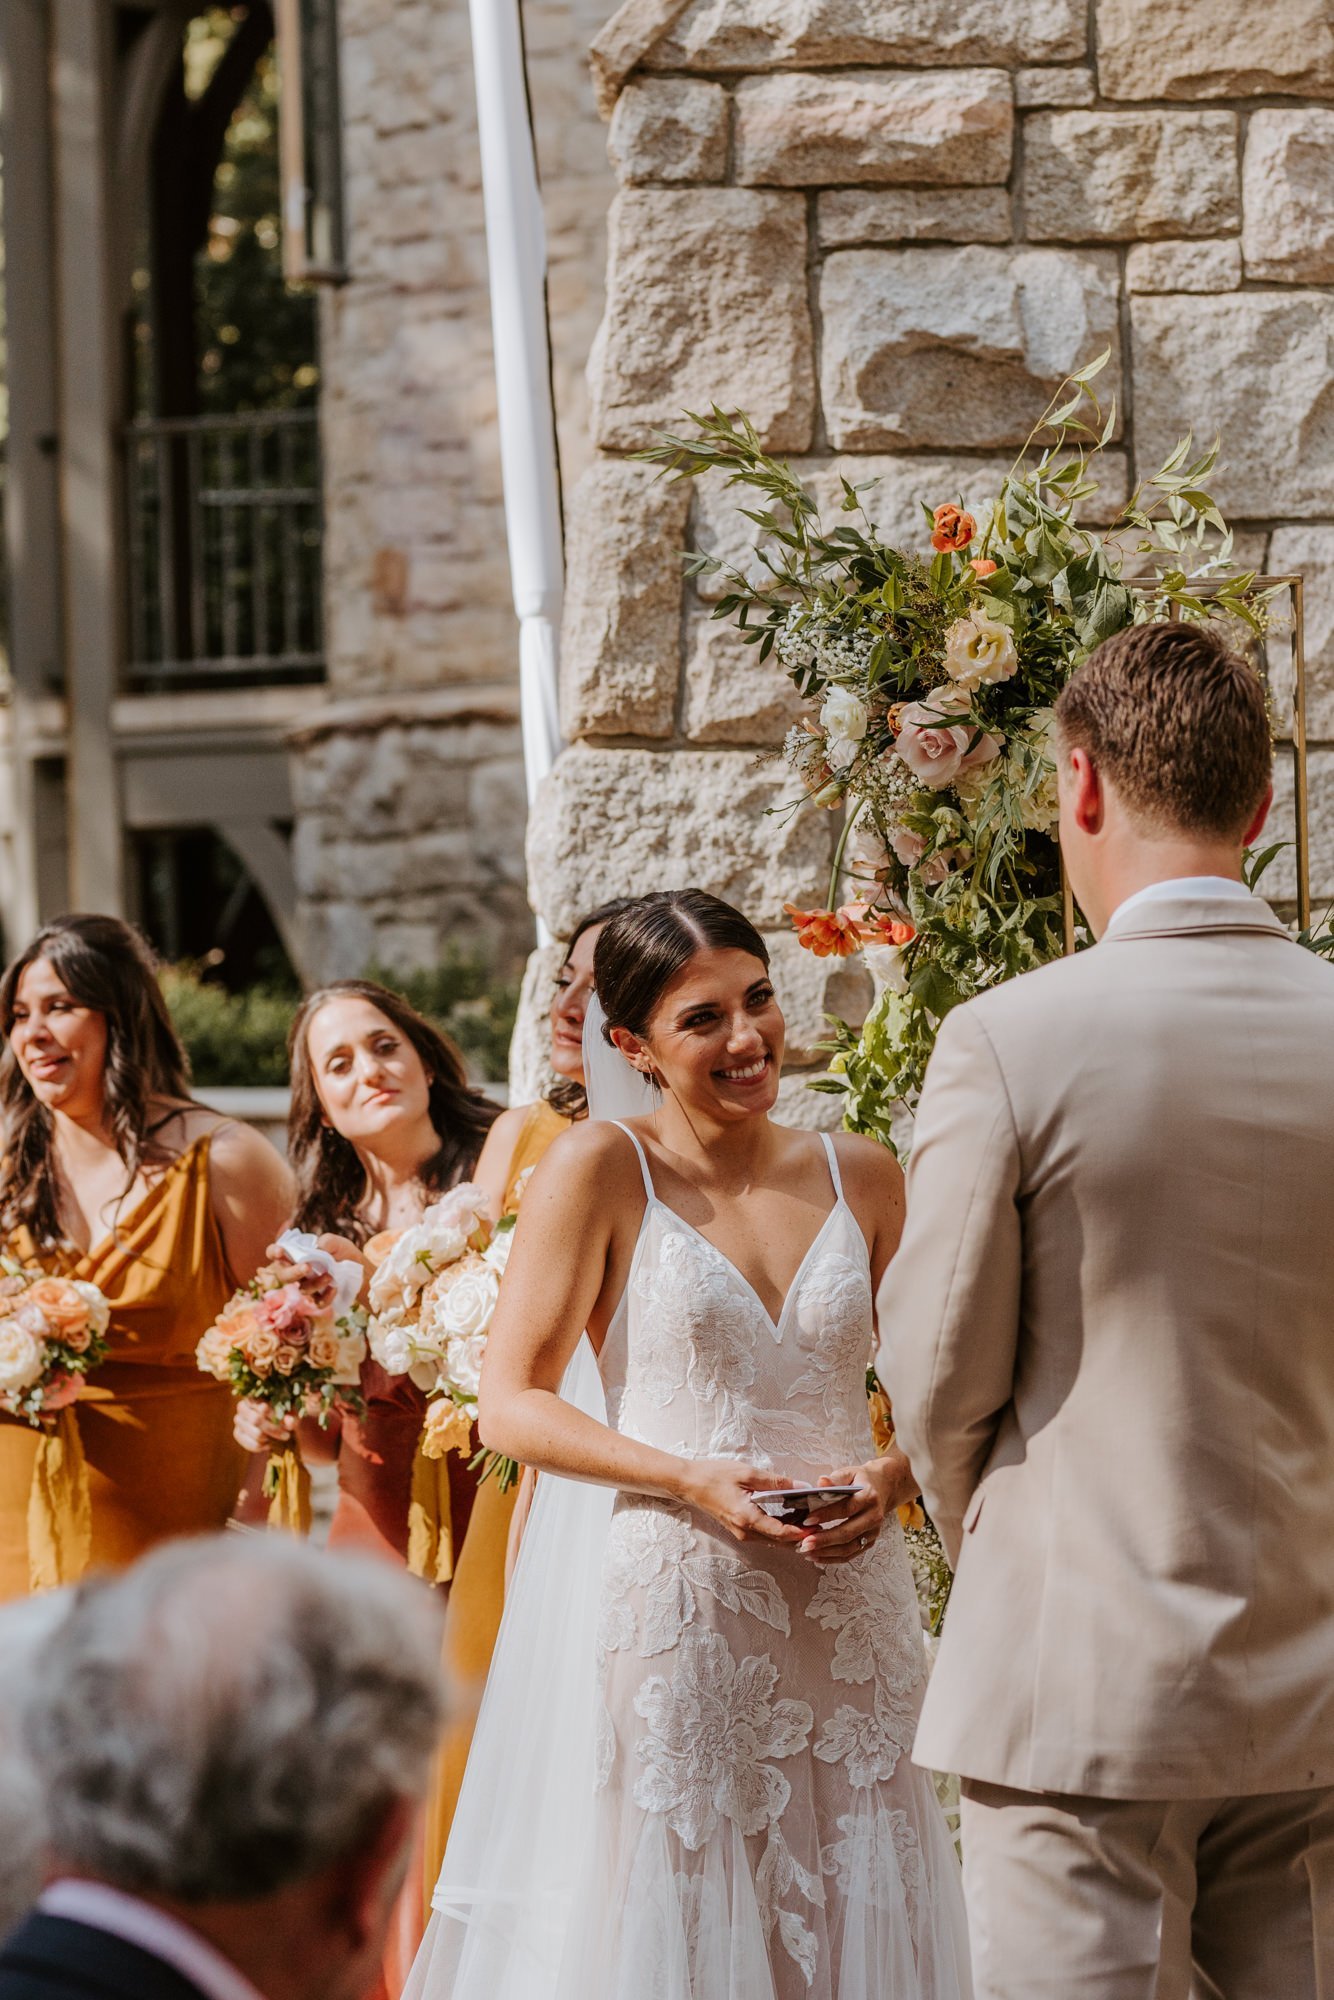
(417, 582)
(886, 229)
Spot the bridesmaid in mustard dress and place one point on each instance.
(112, 1173)
(515, 1144)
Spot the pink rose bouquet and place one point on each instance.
(294, 1340)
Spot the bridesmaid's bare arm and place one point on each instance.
(492, 1171)
(251, 1191)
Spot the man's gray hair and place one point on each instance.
(25, 1625)
(234, 1714)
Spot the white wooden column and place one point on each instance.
(89, 367)
(32, 515)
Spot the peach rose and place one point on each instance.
(214, 1353)
(287, 1360)
(325, 1349)
(953, 528)
(261, 1349)
(66, 1314)
(934, 746)
(447, 1428)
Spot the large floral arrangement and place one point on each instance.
(433, 1297)
(931, 677)
(293, 1339)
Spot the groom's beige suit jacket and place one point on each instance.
(1108, 1336)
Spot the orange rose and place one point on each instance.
(953, 528)
(828, 933)
(982, 566)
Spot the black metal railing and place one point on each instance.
(224, 534)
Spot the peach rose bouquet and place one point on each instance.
(432, 1299)
(293, 1339)
(53, 1333)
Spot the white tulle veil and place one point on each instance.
(524, 1818)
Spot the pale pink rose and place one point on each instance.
(909, 847)
(65, 1312)
(934, 747)
(933, 872)
(61, 1391)
(289, 1313)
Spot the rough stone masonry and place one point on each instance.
(886, 228)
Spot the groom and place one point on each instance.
(1109, 1341)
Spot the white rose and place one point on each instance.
(465, 1363)
(22, 1357)
(99, 1311)
(979, 651)
(466, 1308)
(351, 1353)
(843, 717)
(497, 1252)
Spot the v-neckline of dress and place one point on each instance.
(110, 1238)
(775, 1325)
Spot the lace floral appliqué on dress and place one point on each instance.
(763, 1833)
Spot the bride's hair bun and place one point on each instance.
(643, 947)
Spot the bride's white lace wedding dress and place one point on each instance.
(762, 1830)
(758, 1830)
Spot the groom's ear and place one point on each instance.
(1088, 803)
(1256, 827)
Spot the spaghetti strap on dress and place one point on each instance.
(156, 1432)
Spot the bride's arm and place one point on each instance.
(571, 1257)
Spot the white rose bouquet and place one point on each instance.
(432, 1301)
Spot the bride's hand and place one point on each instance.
(847, 1528)
(723, 1489)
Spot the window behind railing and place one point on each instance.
(224, 534)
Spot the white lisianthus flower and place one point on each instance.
(979, 651)
(22, 1357)
(497, 1251)
(843, 717)
(884, 962)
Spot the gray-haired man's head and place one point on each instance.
(235, 1721)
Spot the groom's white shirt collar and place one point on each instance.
(1200, 888)
(103, 1908)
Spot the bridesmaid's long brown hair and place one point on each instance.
(330, 1179)
(109, 966)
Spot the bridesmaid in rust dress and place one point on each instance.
(113, 1174)
(382, 1122)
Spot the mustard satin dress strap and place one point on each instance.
(156, 1433)
(477, 1595)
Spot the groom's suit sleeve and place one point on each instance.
(949, 1302)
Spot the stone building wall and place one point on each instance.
(886, 229)
(409, 789)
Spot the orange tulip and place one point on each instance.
(953, 528)
(881, 928)
(982, 566)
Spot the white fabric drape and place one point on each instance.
(516, 256)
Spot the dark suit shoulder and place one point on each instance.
(51, 1958)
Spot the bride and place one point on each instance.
(724, 1770)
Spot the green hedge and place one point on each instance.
(241, 1038)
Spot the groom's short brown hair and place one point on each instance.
(1177, 722)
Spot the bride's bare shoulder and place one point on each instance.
(869, 1170)
(593, 1151)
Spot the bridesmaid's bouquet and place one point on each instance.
(293, 1339)
(433, 1297)
(53, 1332)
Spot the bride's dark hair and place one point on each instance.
(108, 966)
(642, 948)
